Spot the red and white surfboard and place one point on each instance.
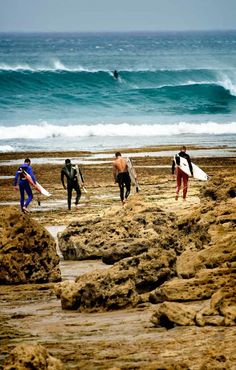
(36, 186)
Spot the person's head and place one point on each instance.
(67, 162)
(27, 161)
(183, 148)
(118, 154)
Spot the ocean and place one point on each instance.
(58, 92)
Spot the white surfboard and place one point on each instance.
(198, 173)
(80, 180)
(132, 174)
(36, 186)
(41, 190)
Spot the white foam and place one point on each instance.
(45, 130)
(228, 81)
(6, 148)
(228, 85)
(54, 66)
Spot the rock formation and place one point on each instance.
(31, 356)
(115, 235)
(27, 251)
(190, 259)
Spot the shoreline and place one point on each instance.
(154, 173)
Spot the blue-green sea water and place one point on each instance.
(57, 90)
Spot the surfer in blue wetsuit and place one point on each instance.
(74, 177)
(121, 176)
(22, 183)
(181, 175)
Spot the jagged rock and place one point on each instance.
(207, 316)
(187, 259)
(120, 233)
(202, 286)
(170, 314)
(224, 301)
(216, 362)
(119, 286)
(27, 251)
(222, 251)
(218, 189)
(118, 250)
(31, 356)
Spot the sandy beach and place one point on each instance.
(118, 339)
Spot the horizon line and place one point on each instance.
(126, 31)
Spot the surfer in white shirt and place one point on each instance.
(180, 174)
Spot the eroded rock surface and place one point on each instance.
(187, 260)
(27, 251)
(31, 356)
(117, 234)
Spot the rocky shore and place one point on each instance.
(150, 285)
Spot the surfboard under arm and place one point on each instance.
(198, 173)
(132, 174)
(37, 186)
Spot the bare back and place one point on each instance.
(119, 165)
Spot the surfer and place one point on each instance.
(121, 176)
(181, 175)
(74, 177)
(21, 183)
(115, 74)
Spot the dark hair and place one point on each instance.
(27, 160)
(67, 161)
(183, 148)
(118, 154)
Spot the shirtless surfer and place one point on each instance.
(121, 176)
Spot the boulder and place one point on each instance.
(27, 251)
(205, 283)
(121, 285)
(170, 314)
(31, 356)
(218, 189)
(119, 233)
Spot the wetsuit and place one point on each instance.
(71, 175)
(124, 181)
(24, 185)
(181, 175)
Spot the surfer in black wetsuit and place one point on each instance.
(121, 175)
(73, 176)
(115, 74)
(181, 175)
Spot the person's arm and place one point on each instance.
(173, 167)
(115, 172)
(15, 183)
(62, 179)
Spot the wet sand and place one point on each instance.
(122, 339)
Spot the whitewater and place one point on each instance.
(58, 92)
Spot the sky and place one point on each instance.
(116, 15)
